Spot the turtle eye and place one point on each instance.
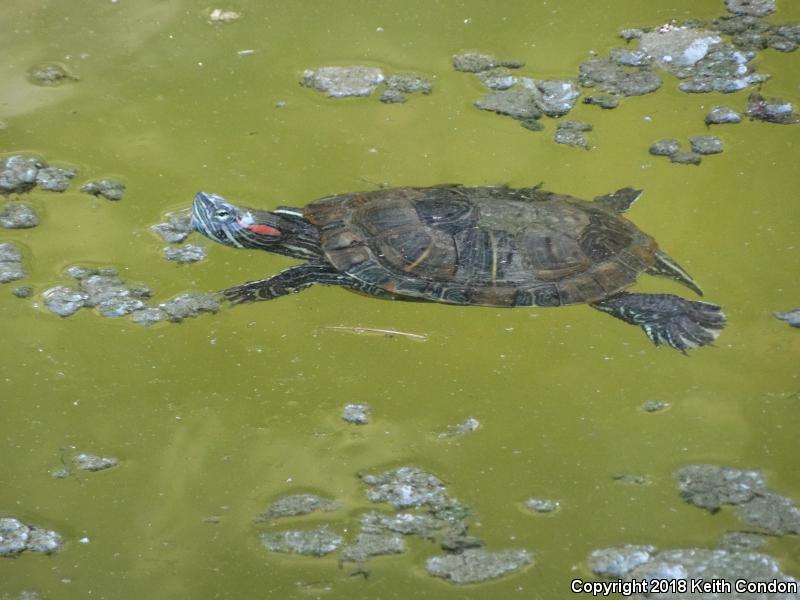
(222, 213)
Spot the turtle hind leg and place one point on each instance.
(667, 267)
(290, 281)
(667, 319)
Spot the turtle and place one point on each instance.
(482, 245)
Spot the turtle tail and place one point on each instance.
(667, 267)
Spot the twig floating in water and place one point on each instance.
(377, 331)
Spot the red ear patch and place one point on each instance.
(262, 229)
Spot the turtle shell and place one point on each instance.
(493, 246)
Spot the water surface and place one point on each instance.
(221, 414)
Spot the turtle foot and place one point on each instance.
(667, 319)
(236, 296)
(247, 292)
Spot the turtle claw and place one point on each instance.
(235, 297)
(218, 297)
(667, 319)
(687, 330)
(241, 294)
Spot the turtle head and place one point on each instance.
(235, 226)
(241, 227)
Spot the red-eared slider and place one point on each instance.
(490, 246)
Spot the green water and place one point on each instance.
(221, 414)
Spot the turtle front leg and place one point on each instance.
(669, 319)
(290, 281)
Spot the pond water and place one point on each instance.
(214, 418)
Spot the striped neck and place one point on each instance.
(300, 238)
(283, 231)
